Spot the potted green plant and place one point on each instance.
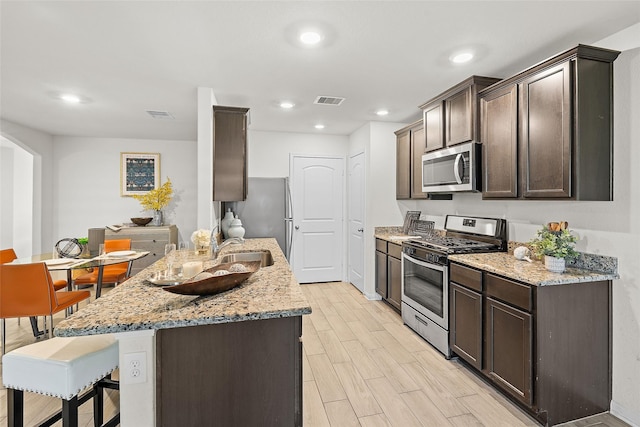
(556, 243)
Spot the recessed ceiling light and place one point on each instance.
(70, 98)
(382, 112)
(461, 58)
(310, 37)
(287, 104)
(319, 126)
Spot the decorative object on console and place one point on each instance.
(201, 239)
(141, 221)
(155, 200)
(556, 243)
(139, 173)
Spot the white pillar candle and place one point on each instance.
(190, 269)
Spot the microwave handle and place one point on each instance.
(456, 168)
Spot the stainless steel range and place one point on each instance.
(425, 271)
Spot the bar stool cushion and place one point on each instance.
(60, 367)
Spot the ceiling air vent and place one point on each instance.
(159, 114)
(329, 100)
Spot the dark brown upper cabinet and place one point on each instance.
(546, 132)
(452, 117)
(229, 153)
(410, 146)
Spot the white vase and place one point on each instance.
(226, 222)
(236, 229)
(553, 264)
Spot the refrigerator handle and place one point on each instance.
(289, 219)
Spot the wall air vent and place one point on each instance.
(160, 114)
(329, 100)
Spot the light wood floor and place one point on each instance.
(361, 367)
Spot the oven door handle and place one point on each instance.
(423, 263)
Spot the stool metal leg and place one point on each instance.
(70, 412)
(15, 408)
(98, 405)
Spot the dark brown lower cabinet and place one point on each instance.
(394, 277)
(508, 349)
(381, 274)
(231, 374)
(548, 348)
(389, 272)
(466, 324)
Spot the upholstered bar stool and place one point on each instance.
(61, 367)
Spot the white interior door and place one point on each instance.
(317, 199)
(356, 221)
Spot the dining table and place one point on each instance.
(69, 264)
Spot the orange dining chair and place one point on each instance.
(115, 273)
(26, 290)
(8, 255)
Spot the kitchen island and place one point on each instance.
(232, 358)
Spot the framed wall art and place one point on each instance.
(139, 173)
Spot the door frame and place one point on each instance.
(345, 237)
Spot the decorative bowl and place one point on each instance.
(141, 221)
(216, 284)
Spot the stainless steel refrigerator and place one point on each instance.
(267, 211)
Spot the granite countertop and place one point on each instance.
(272, 292)
(392, 234)
(533, 273)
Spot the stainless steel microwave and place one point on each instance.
(452, 169)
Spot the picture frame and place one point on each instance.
(139, 173)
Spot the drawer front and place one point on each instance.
(381, 245)
(394, 250)
(466, 276)
(517, 294)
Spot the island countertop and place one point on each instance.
(272, 292)
(533, 273)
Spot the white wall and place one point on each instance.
(87, 184)
(38, 144)
(268, 152)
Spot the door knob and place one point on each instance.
(297, 227)
(361, 229)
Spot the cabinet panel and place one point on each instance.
(381, 245)
(394, 277)
(417, 150)
(433, 127)
(466, 325)
(394, 250)
(546, 133)
(229, 153)
(518, 294)
(403, 165)
(508, 349)
(381, 274)
(466, 276)
(499, 137)
(459, 120)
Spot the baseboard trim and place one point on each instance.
(372, 297)
(627, 415)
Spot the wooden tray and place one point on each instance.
(217, 284)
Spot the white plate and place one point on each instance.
(117, 254)
(59, 261)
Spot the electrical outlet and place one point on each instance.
(134, 367)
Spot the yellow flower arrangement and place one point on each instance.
(157, 198)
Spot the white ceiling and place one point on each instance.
(130, 56)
